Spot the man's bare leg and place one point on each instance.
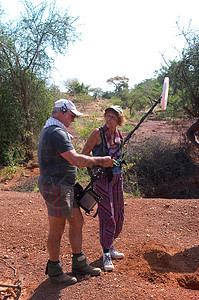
(54, 268)
(75, 230)
(79, 264)
(56, 230)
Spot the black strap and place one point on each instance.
(104, 143)
(108, 170)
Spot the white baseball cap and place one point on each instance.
(67, 104)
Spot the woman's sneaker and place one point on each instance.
(108, 265)
(115, 254)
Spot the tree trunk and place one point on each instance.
(29, 136)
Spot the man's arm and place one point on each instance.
(191, 133)
(81, 160)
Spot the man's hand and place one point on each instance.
(107, 161)
(81, 160)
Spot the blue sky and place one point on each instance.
(124, 38)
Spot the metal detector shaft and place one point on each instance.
(135, 128)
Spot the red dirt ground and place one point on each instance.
(159, 240)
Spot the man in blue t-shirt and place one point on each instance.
(57, 162)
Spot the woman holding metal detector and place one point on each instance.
(101, 142)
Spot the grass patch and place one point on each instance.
(7, 172)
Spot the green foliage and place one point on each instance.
(11, 124)
(116, 101)
(85, 126)
(96, 92)
(13, 130)
(23, 173)
(107, 95)
(74, 87)
(127, 127)
(124, 95)
(41, 105)
(25, 98)
(104, 105)
(36, 189)
(82, 176)
(120, 83)
(139, 96)
(120, 95)
(7, 172)
(184, 75)
(83, 98)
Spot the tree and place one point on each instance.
(96, 92)
(139, 95)
(24, 51)
(120, 83)
(184, 73)
(75, 87)
(121, 89)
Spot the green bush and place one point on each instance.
(104, 105)
(85, 126)
(83, 99)
(82, 176)
(116, 101)
(158, 169)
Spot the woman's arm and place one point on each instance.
(191, 133)
(93, 139)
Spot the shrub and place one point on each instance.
(85, 126)
(116, 101)
(158, 169)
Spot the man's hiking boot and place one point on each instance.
(63, 279)
(86, 270)
(80, 266)
(56, 275)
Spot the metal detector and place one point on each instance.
(87, 198)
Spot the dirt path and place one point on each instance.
(159, 240)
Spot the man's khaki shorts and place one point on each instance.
(59, 199)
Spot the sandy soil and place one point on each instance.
(159, 240)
